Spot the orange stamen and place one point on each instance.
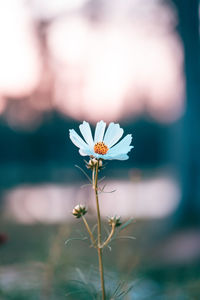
(100, 148)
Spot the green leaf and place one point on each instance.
(109, 247)
(101, 179)
(84, 173)
(75, 239)
(102, 190)
(119, 286)
(85, 185)
(94, 228)
(123, 226)
(125, 237)
(125, 291)
(121, 290)
(81, 275)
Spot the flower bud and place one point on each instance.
(93, 162)
(79, 210)
(100, 163)
(114, 220)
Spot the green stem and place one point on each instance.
(99, 249)
(89, 231)
(109, 237)
(93, 178)
(101, 273)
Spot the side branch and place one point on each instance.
(109, 237)
(89, 231)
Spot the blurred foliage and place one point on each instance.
(36, 264)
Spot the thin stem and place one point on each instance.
(89, 231)
(97, 204)
(93, 178)
(101, 273)
(109, 237)
(95, 185)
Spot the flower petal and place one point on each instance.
(81, 151)
(111, 157)
(118, 156)
(99, 131)
(86, 132)
(76, 139)
(87, 151)
(123, 147)
(113, 134)
(121, 157)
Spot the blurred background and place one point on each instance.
(133, 62)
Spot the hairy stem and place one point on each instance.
(95, 185)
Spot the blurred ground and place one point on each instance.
(158, 264)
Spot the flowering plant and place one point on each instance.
(104, 146)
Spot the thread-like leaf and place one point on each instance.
(101, 190)
(100, 180)
(75, 239)
(85, 185)
(125, 237)
(123, 226)
(109, 247)
(81, 275)
(84, 173)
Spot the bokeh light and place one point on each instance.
(83, 67)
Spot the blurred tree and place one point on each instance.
(187, 145)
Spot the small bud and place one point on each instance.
(93, 162)
(114, 220)
(100, 163)
(79, 210)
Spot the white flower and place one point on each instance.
(103, 146)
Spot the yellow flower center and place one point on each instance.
(100, 148)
